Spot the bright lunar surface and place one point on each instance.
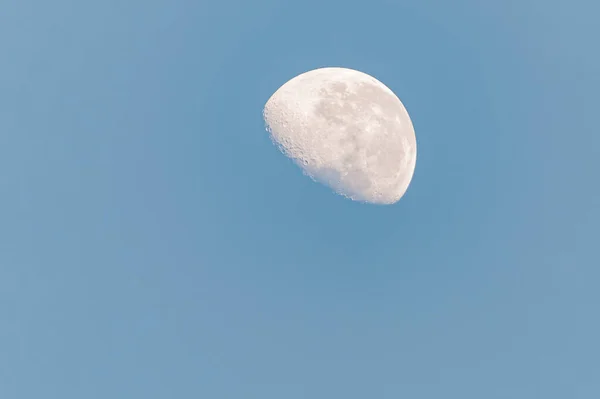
(347, 130)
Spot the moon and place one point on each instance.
(347, 130)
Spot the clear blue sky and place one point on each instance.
(154, 243)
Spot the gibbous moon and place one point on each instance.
(347, 130)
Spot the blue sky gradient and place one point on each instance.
(155, 244)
